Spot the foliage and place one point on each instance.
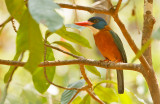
(30, 15)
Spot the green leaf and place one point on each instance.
(86, 100)
(73, 37)
(140, 52)
(8, 74)
(77, 100)
(39, 80)
(156, 35)
(105, 81)
(68, 94)
(75, 26)
(93, 70)
(106, 94)
(29, 38)
(67, 46)
(125, 98)
(43, 11)
(16, 8)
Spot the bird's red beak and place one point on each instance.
(85, 23)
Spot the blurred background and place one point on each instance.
(22, 91)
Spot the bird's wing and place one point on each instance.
(119, 44)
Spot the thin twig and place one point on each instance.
(9, 81)
(45, 51)
(85, 76)
(74, 96)
(6, 21)
(13, 24)
(97, 3)
(125, 5)
(94, 96)
(56, 48)
(118, 6)
(89, 9)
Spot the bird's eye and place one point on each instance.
(95, 21)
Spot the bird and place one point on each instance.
(108, 43)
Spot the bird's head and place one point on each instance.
(96, 22)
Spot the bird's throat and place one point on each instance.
(94, 30)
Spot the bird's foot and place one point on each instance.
(106, 60)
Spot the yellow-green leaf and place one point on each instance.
(93, 70)
(67, 46)
(73, 37)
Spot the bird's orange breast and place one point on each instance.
(105, 43)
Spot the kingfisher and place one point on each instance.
(108, 43)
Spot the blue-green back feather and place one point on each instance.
(119, 44)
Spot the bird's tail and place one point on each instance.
(120, 81)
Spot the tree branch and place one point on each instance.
(108, 65)
(118, 6)
(94, 96)
(85, 76)
(150, 75)
(89, 9)
(68, 53)
(6, 21)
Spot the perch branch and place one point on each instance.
(108, 65)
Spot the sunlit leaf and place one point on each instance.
(73, 37)
(144, 47)
(93, 70)
(86, 100)
(75, 26)
(16, 8)
(106, 94)
(29, 38)
(67, 46)
(43, 11)
(77, 100)
(39, 78)
(156, 35)
(68, 94)
(105, 81)
(125, 98)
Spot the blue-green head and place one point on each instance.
(98, 22)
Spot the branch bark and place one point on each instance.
(108, 65)
(150, 75)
